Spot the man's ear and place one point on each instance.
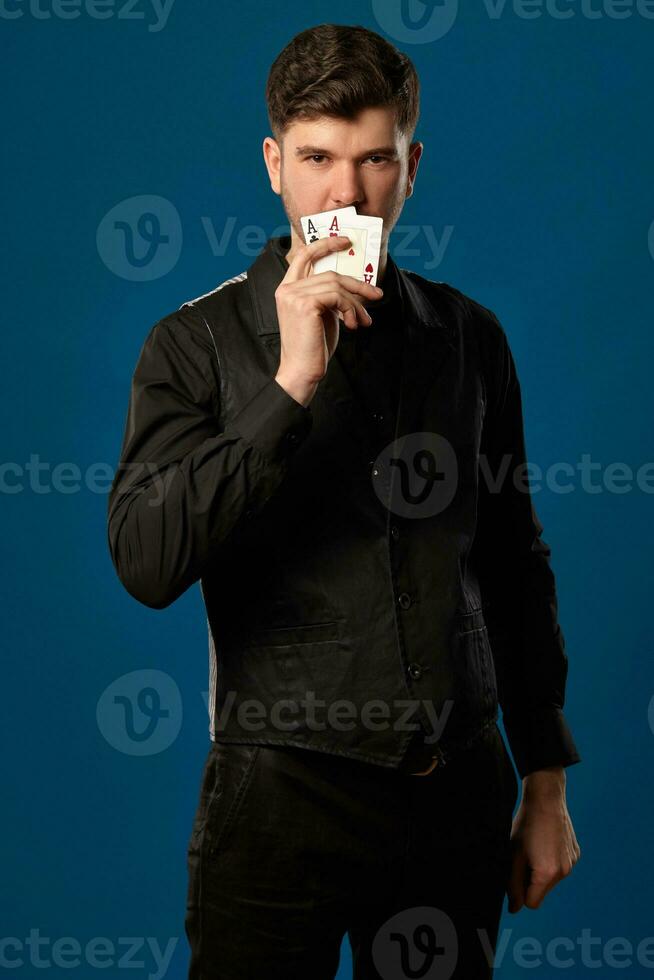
(415, 152)
(273, 159)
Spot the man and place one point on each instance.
(312, 449)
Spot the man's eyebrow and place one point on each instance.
(388, 151)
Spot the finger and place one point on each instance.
(517, 881)
(572, 850)
(351, 283)
(363, 316)
(300, 266)
(342, 302)
(539, 885)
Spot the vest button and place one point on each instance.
(395, 532)
(404, 600)
(415, 670)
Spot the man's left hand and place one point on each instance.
(543, 843)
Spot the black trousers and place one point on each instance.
(292, 848)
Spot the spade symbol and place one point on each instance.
(351, 252)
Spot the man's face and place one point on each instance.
(327, 163)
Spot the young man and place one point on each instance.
(310, 449)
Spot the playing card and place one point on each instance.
(361, 259)
(325, 224)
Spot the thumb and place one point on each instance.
(518, 880)
(537, 889)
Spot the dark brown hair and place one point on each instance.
(338, 70)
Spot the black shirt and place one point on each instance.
(371, 356)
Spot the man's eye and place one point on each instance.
(321, 156)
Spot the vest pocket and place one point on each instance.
(293, 635)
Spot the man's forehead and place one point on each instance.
(364, 133)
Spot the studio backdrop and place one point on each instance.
(134, 181)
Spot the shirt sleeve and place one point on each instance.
(183, 483)
(517, 582)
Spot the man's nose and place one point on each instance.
(346, 188)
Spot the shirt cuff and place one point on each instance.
(274, 422)
(540, 739)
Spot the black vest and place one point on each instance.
(363, 589)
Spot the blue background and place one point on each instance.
(538, 154)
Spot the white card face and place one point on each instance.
(325, 224)
(349, 261)
(361, 258)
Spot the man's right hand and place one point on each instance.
(308, 310)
